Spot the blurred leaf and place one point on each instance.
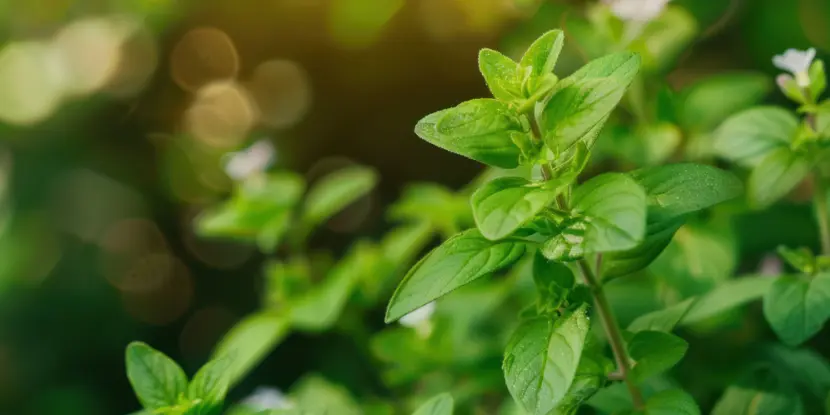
(671, 402)
(433, 203)
(272, 232)
(673, 191)
(335, 191)
(803, 367)
(210, 385)
(759, 392)
(581, 102)
(258, 210)
(359, 23)
(319, 308)
(541, 360)
(662, 320)
(776, 175)
(654, 352)
(797, 307)
(457, 262)
(706, 103)
(501, 75)
(249, 341)
(612, 208)
(750, 136)
(315, 395)
(698, 258)
(478, 129)
(438, 405)
(402, 244)
(156, 379)
(726, 296)
(505, 204)
(664, 38)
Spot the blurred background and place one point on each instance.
(115, 115)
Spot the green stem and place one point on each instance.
(612, 331)
(822, 218)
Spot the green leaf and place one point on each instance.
(210, 385)
(335, 191)
(612, 207)
(776, 175)
(749, 136)
(700, 256)
(665, 37)
(581, 103)
(249, 341)
(541, 360)
(316, 395)
(677, 189)
(503, 205)
(441, 404)
(671, 402)
(591, 376)
(797, 307)
(255, 204)
(319, 308)
(458, 261)
(759, 392)
(727, 296)
(801, 259)
(274, 230)
(706, 103)
(654, 352)
(157, 380)
(662, 320)
(673, 191)
(478, 129)
(806, 369)
(543, 53)
(818, 79)
(501, 75)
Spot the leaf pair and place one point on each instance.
(798, 306)
(571, 110)
(159, 383)
(262, 209)
(762, 139)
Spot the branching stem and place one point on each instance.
(612, 331)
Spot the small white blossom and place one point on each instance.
(265, 398)
(771, 266)
(637, 10)
(419, 316)
(796, 62)
(254, 159)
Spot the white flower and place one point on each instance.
(771, 266)
(265, 398)
(796, 62)
(419, 316)
(636, 10)
(254, 159)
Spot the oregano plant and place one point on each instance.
(580, 231)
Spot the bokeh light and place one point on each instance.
(31, 80)
(203, 55)
(222, 114)
(282, 91)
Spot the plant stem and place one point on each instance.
(612, 331)
(820, 206)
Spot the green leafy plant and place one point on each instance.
(589, 286)
(613, 221)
